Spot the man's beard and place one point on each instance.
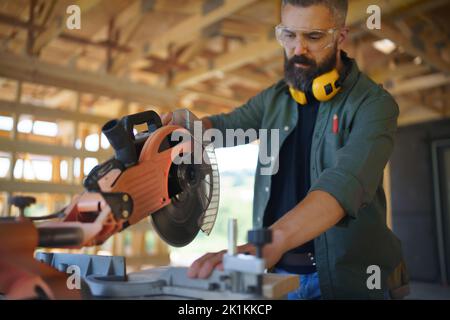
(302, 78)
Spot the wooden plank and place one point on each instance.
(214, 98)
(420, 83)
(38, 187)
(228, 62)
(259, 79)
(50, 149)
(357, 9)
(403, 70)
(31, 70)
(276, 286)
(128, 22)
(428, 55)
(50, 113)
(189, 29)
(56, 23)
(418, 114)
(191, 51)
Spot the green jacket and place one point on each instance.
(349, 166)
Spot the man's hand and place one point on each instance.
(318, 212)
(204, 266)
(166, 118)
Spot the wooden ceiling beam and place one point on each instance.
(39, 187)
(128, 22)
(263, 48)
(31, 70)
(403, 70)
(197, 95)
(188, 29)
(412, 47)
(10, 107)
(260, 79)
(419, 83)
(56, 24)
(227, 62)
(50, 149)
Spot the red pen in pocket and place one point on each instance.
(335, 124)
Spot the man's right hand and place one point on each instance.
(166, 118)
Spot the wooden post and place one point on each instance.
(13, 157)
(30, 35)
(71, 162)
(83, 135)
(278, 10)
(118, 247)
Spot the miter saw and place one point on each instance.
(243, 276)
(164, 172)
(154, 172)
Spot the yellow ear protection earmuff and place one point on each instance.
(323, 88)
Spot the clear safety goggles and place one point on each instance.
(312, 39)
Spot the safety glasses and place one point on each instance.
(312, 39)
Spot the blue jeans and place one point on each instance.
(309, 288)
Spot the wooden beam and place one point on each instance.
(38, 187)
(56, 23)
(418, 115)
(403, 70)
(190, 28)
(410, 102)
(428, 55)
(266, 48)
(418, 9)
(70, 37)
(31, 32)
(127, 22)
(420, 83)
(190, 52)
(357, 9)
(51, 113)
(260, 79)
(51, 150)
(31, 70)
(228, 62)
(213, 98)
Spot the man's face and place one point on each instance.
(301, 64)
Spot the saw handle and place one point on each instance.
(121, 142)
(151, 118)
(121, 137)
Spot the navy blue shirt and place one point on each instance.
(292, 182)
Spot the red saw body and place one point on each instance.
(153, 173)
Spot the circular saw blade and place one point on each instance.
(192, 187)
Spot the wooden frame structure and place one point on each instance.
(207, 55)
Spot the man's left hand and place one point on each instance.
(204, 266)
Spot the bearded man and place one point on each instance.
(326, 204)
